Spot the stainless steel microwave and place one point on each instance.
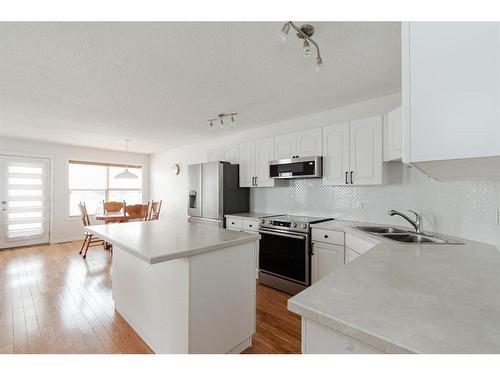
(297, 167)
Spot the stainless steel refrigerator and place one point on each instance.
(214, 191)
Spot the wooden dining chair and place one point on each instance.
(113, 206)
(137, 212)
(154, 210)
(90, 238)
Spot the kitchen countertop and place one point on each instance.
(161, 240)
(408, 298)
(250, 215)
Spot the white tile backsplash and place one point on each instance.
(466, 209)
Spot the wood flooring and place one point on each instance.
(53, 301)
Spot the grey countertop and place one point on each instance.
(161, 240)
(249, 215)
(411, 298)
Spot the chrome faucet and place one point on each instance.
(417, 223)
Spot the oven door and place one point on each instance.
(285, 254)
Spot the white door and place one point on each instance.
(366, 151)
(325, 259)
(264, 153)
(309, 142)
(24, 198)
(285, 146)
(230, 154)
(213, 154)
(336, 154)
(247, 164)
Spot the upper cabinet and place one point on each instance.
(230, 154)
(254, 163)
(213, 154)
(304, 143)
(451, 96)
(393, 136)
(352, 152)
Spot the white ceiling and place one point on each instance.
(94, 84)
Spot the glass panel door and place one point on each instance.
(24, 201)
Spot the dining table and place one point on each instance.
(112, 217)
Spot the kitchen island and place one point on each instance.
(184, 287)
(403, 298)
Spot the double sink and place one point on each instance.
(400, 235)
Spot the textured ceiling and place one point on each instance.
(94, 84)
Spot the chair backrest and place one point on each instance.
(113, 206)
(137, 211)
(154, 211)
(84, 213)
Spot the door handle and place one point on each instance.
(352, 178)
(256, 184)
(253, 181)
(346, 173)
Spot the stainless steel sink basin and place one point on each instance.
(412, 238)
(381, 230)
(400, 235)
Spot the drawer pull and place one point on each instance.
(250, 225)
(326, 235)
(232, 223)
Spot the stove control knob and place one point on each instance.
(269, 221)
(295, 225)
(262, 221)
(304, 226)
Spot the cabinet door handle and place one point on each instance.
(346, 173)
(253, 181)
(352, 178)
(256, 184)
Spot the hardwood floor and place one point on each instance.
(53, 301)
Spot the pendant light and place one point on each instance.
(126, 174)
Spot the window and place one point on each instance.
(93, 183)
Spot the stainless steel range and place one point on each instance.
(285, 252)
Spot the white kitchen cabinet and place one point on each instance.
(245, 224)
(325, 258)
(247, 164)
(393, 136)
(352, 152)
(309, 142)
(365, 146)
(350, 255)
(301, 144)
(285, 146)
(336, 154)
(213, 154)
(230, 154)
(319, 339)
(254, 163)
(264, 153)
(450, 97)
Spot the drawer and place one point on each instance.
(233, 223)
(328, 236)
(250, 225)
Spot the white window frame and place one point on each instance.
(106, 190)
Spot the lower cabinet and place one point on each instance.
(325, 258)
(319, 339)
(350, 255)
(245, 225)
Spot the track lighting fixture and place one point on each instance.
(220, 117)
(303, 32)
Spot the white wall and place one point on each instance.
(64, 228)
(466, 209)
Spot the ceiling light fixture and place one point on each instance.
(220, 117)
(303, 32)
(126, 174)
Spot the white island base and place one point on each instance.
(203, 303)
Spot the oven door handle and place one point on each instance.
(298, 237)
